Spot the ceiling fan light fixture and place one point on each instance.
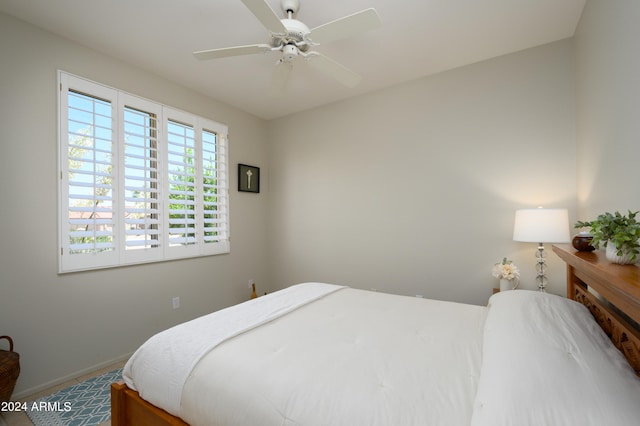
(289, 52)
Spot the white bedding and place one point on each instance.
(547, 362)
(352, 357)
(159, 368)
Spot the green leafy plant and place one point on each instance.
(621, 230)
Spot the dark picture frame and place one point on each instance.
(248, 178)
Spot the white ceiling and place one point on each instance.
(417, 38)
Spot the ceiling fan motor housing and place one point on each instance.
(297, 33)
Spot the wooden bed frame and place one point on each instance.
(127, 408)
(590, 278)
(611, 293)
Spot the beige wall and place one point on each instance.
(608, 81)
(413, 189)
(63, 324)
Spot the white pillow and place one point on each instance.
(547, 362)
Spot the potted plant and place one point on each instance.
(619, 234)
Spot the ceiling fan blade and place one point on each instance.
(231, 51)
(348, 26)
(280, 77)
(266, 15)
(338, 71)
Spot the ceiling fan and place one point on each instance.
(293, 39)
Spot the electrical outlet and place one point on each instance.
(250, 283)
(175, 302)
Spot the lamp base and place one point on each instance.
(541, 266)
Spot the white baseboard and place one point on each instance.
(39, 388)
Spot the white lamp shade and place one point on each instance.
(541, 226)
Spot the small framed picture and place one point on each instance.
(248, 178)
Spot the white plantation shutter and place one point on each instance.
(139, 182)
(87, 207)
(90, 175)
(215, 187)
(140, 189)
(214, 210)
(197, 185)
(181, 177)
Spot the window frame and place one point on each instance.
(120, 255)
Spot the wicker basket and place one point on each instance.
(9, 370)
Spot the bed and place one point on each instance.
(318, 354)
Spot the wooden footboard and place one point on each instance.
(127, 408)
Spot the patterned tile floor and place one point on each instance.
(21, 419)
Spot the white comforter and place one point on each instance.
(159, 368)
(351, 357)
(354, 357)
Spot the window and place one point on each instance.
(139, 181)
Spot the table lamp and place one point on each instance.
(541, 226)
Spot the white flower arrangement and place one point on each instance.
(506, 270)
